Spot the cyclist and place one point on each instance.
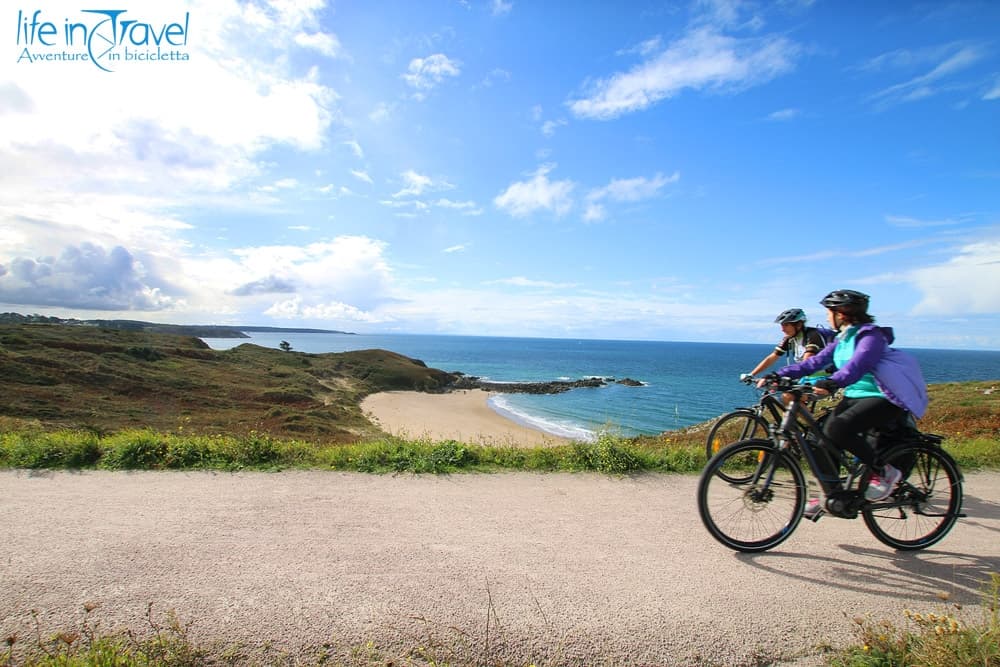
(880, 384)
(800, 342)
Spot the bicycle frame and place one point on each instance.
(777, 411)
(791, 429)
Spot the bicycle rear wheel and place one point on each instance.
(762, 508)
(924, 506)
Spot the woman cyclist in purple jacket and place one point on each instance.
(880, 384)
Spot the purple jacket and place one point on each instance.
(897, 374)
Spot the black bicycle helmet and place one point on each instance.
(846, 298)
(791, 315)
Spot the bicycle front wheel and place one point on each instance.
(733, 427)
(924, 506)
(762, 508)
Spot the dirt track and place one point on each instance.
(552, 568)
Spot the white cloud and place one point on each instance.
(426, 73)
(829, 255)
(992, 94)
(415, 184)
(633, 189)
(362, 176)
(355, 148)
(703, 59)
(348, 269)
(415, 204)
(644, 48)
(624, 190)
(594, 212)
(85, 277)
(910, 222)
(466, 207)
(932, 82)
(521, 281)
(965, 284)
(324, 43)
(333, 311)
(281, 184)
(381, 113)
(784, 115)
(522, 198)
(461, 247)
(500, 7)
(549, 127)
(496, 75)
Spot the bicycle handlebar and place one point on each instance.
(775, 381)
(782, 383)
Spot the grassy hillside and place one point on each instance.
(76, 397)
(107, 380)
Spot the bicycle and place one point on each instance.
(752, 494)
(748, 423)
(744, 423)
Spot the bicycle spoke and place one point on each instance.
(751, 515)
(924, 507)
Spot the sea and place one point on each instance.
(682, 383)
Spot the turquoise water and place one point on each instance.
(683, 383)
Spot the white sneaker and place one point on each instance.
(882, 485)
(814, 508)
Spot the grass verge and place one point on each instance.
(928, 639)
(144, 449)
(933, 639)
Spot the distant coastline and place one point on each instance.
(197, 330)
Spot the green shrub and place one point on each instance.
(188, 453)
(285, 396)
(382, 456)
(450, 454)
(609, 454)
(135, 450)
(253, 449)
(63, 449)
(145, 353)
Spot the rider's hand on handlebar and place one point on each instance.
(770, 378)
(746, 378)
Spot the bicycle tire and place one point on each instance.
(751, 515)
(741, 424)
(924, 506)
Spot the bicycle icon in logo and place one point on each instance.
(104, 37)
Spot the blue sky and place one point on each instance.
(641, 170)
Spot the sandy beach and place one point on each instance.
(464, 416)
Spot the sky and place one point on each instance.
(641, 170)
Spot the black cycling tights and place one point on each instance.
(852, 417)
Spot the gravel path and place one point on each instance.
(550, 568)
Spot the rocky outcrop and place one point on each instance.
(548, 387)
